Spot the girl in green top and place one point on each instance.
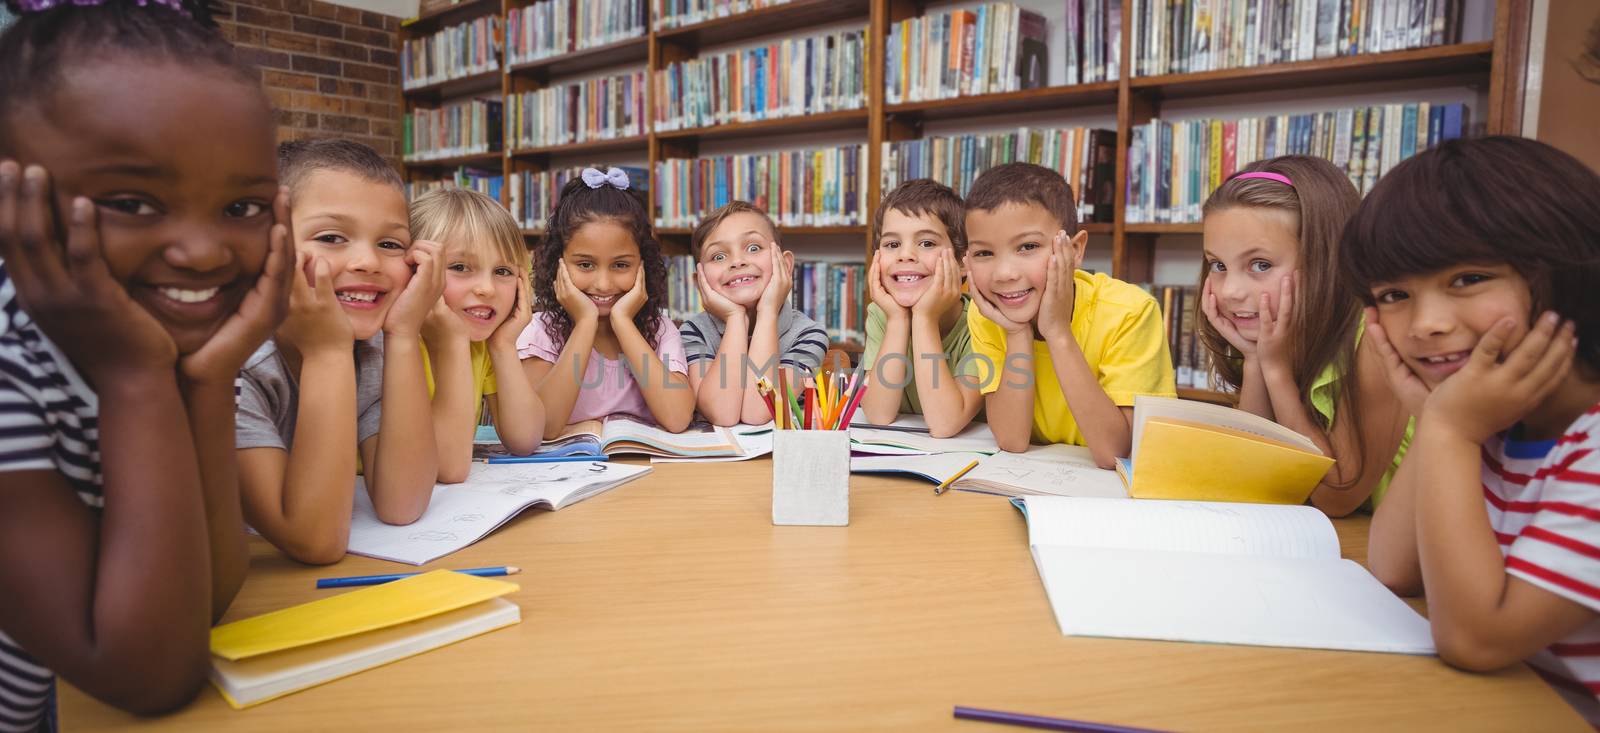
(1284, 328)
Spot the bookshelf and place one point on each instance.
(1494, 65)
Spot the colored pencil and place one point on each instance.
(355, 580)
(809, 416)
(1040, 721)
(854, 403)
(940, 489)
(544, 459)
(896, 428)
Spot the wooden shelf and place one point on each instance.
(1096, 227)
(533, 232)
(484, 82)
(635, 142)
(457, 12)
(1152, 228)
(1206, 395)
(485, 160)
(629, 51)
(764, 21)
(1026, 100)
(1416, 63)
(825, 121)
(856, 229)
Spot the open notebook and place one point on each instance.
(908, 435)
(1224, 573)
(1044, 470)
(274, 654)
(461, 514)
(623, 435)
(1183, 449)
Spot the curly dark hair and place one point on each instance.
(576, 206)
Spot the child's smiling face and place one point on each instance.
(603, 260)
(184, 218)
(1435, 320)
(908, 250)
(1248, 250)
(1008, 249)
(479, 285)
(737, 256)
(361, 228)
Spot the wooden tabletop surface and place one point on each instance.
(673, 603)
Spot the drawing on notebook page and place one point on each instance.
(466, 517)
(433, 535)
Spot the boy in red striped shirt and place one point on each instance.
(1480, 260)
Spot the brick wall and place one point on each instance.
(331, 71)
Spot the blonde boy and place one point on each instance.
(749, 328)
(917, 336)
(1068, 350)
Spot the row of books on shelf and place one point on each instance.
(1181, 316)
(597, 109)
(816, 187)
(1174, 166)
(831, 293)
(531, 196)
(679, 13)
(1185, 36)
(557, 27)
(459, 51)
(994, 48)
(1085, 157)
(463, 128)
(794, 76)
(486, 182)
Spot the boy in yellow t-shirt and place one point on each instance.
(1076, 348)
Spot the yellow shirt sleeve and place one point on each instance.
(988, 350)
(1134, 358)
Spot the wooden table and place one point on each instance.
(672, 603)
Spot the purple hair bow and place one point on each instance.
(593, 178)
(39, 6)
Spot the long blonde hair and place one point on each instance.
(487, 228)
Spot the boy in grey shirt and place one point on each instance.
(749, 327)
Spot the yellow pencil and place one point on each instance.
(940, 489)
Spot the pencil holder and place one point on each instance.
(811, 477)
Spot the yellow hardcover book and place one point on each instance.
(274, 654)
(1201, 452)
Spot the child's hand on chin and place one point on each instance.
(1488, 394)
(715, 302)
(69, 291)
(316, 322)
(263, 308)
(420, 295)
(1055, 306)
(505, 335)
(577, 303)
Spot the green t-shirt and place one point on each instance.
(1322, 400)
(957, 344)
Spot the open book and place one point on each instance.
(908, 435)
(1184, 449)
(289, 650)
(1055, 470)
(1224, 573)
(624, 435)
(461, 514)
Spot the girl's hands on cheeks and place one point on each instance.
(422, 294)
(316, 322)
(714, 302)
(776, 294)
(1208, 306)
(945, 291)
(879, 294)
(505, 335)
(577, 304)
(69, 291)
(629, 304)
(1055, 307)
(1489, 395)
(1408, 387)
(262, 309)
(1272, 341)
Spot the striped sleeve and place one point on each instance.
(803, 345)
(24, 688)
(1559, 549)
(26, 437)
(696, 347)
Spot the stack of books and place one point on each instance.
(794, 76)
(1181, 315)
(557, 27)
(679, 13)
(532, 196)
(455, 52)
(463, 128)
(834, 295)
(1174, 166)
(485, 182)
(818, 187)
(597, 109)
(1093, 49)
(996, 47)
(1184, 36)
(683, 294)
(1085, 157)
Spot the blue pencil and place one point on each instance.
(543, 459)
(1046, 723)
(380, 579)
